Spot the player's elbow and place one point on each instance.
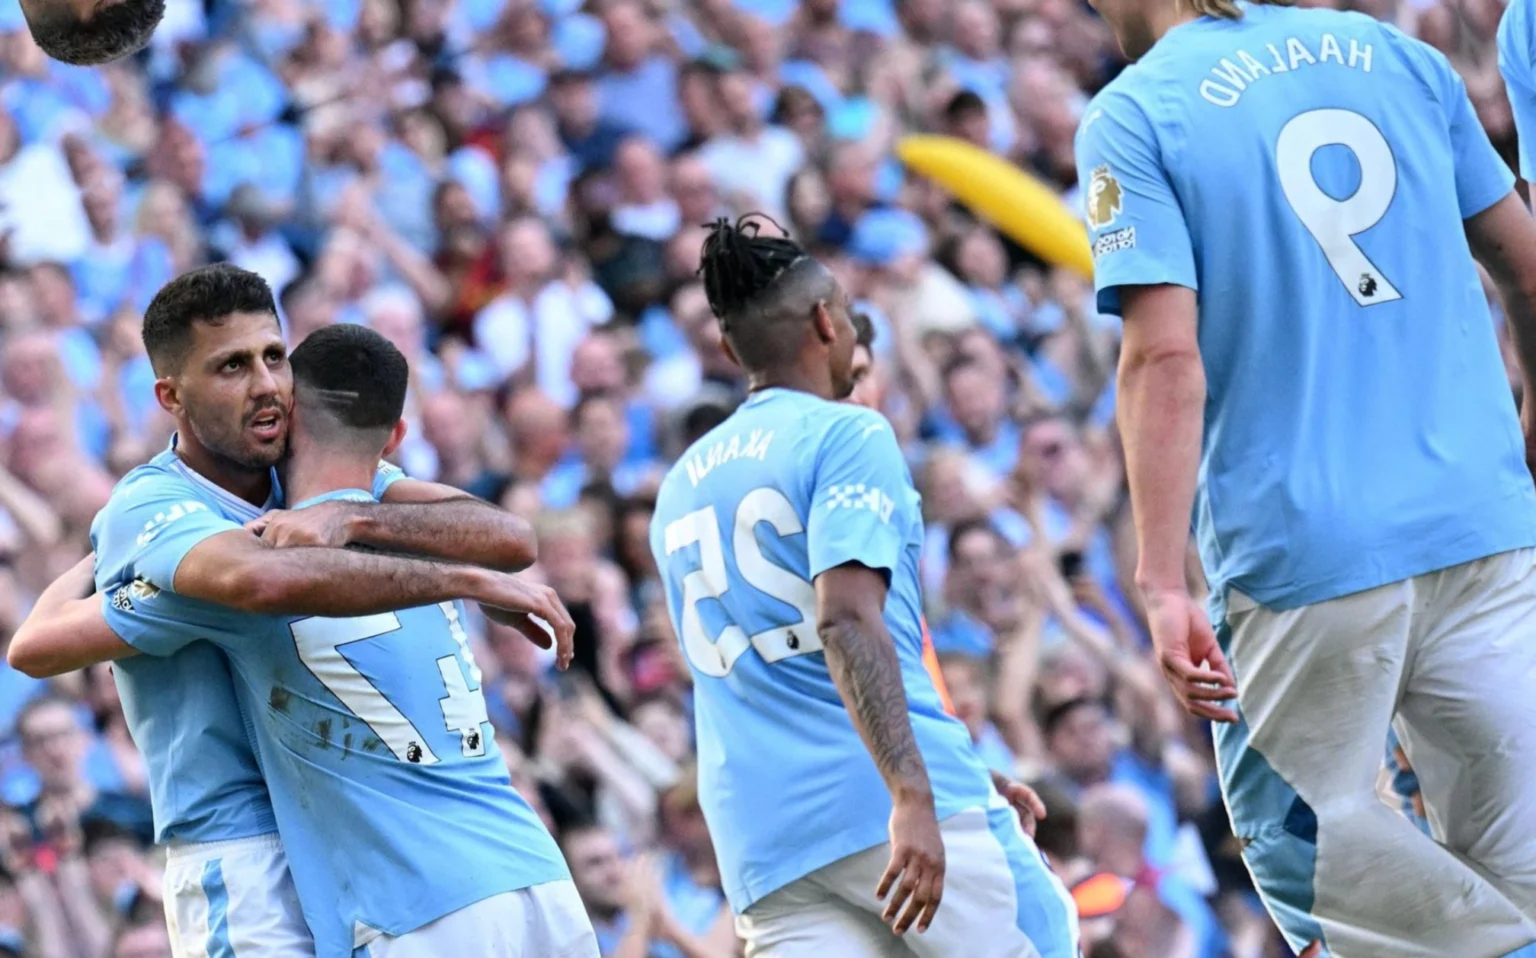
(32, 655)
(840, 618)
(521, 546)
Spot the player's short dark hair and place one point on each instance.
(352, 375)
(112, 32)
(206, 295)
(863, 330)
(756, 283)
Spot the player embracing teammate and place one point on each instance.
(1287, 208)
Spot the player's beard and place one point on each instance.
(235, 445)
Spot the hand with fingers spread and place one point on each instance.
(523, 605)
(1188, 654)
(916, 870)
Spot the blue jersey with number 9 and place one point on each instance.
(1307, 172)
(787, 488)
(390, 793)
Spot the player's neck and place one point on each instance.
(1167, 16)
(816, 382)
(308, 476)
(252, 485)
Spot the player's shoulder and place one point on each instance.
(843, 422)
(1514, 37)
(154, 481)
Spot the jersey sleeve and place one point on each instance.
(150, 525)
(140, 616)
(1135, 224)
(387, 475)
(860, 484)
(1517, 66)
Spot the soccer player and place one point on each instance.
(176, 524)
(91, 32)
(403, 833)
(1286, 207)
(830, 775)
(1517, 64)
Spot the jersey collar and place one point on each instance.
(229, 503)
(336, 495)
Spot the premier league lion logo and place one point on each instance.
(1104, 198)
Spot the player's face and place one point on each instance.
(866, 385)
(235, 390)
(841, 349)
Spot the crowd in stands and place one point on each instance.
(514, 193)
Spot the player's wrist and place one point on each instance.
(912, 795)
(471, 583)
(1162, 583)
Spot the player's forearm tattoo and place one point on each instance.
(864, 666)
(460, 530)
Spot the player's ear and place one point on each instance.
(396, 437)
(725, 347)
(168, 395)
(821, 319)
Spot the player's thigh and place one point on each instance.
(543, 921)
(1468, 715)
(804, 920)
(995, 878)
(1316, 691)
(234, 898)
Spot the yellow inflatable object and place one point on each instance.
(1026, 210)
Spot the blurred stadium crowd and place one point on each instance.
(513, 192)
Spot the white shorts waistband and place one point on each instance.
(206, 851)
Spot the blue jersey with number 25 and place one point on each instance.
(391, 796)
(1307, 172)
(787, 488)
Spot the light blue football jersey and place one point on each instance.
(1517, 63)
(1307, 173)
(204, 784)
(391, 796)
(785, 489)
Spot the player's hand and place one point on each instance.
(1314, 950)
(1189, 656)
(1023, 799)
(916, 870)
(325, 525)
(520, 603)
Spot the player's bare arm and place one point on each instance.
(1503, 238)
(1161, 416)
(239, 570)
(419, 518)
(861, 657)
(65, 630)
